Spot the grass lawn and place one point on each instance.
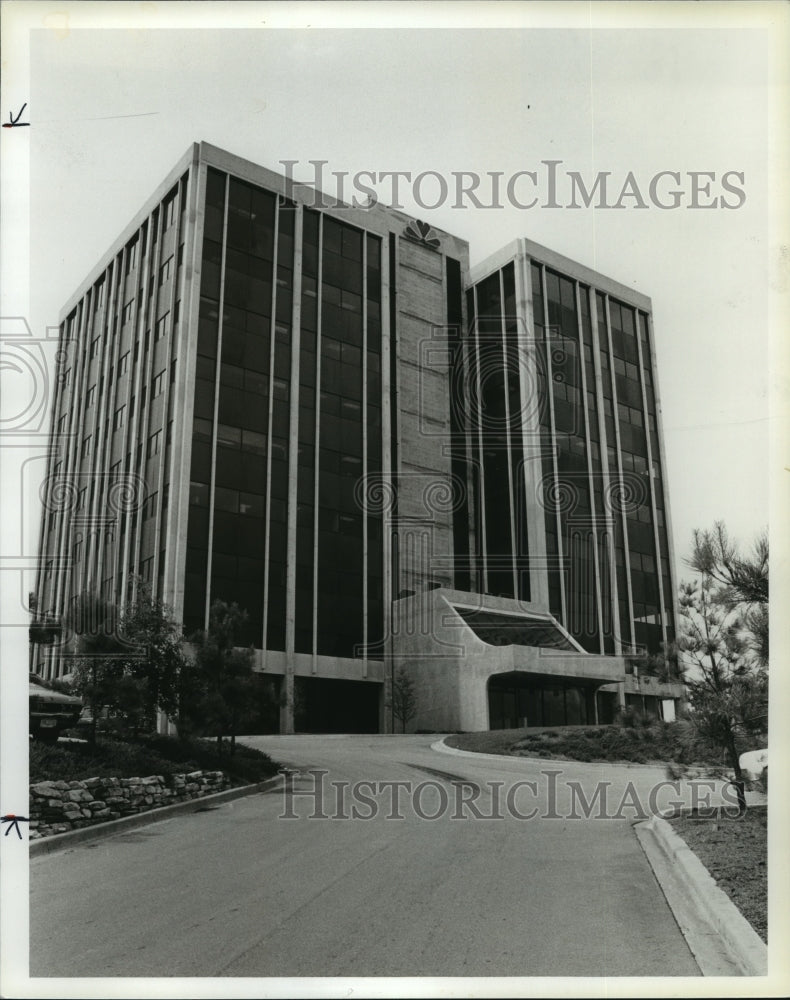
(734, 850)
(659, 742)
(145, 756)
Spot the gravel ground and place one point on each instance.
(735, 853)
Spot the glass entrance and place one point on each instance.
(517, 700)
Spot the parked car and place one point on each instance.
(51, 711)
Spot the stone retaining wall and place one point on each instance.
(60, 806)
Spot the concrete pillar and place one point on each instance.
(287, 705)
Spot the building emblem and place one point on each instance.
(421, 232)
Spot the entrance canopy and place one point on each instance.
(499, 629)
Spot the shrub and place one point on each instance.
(142, 757)
(642, 741)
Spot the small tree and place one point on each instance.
(97, 650)
(218, 687)
(742, 581)
(156, 656)
(403, 698)
(664, 665)
(128, 662)
(727, 688)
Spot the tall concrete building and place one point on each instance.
(389, 461)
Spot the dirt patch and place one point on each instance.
(734, 850)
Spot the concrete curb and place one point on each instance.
(61, 841)
(744, 945)
(441, 747)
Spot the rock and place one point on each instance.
(45, 790)
(59, 806)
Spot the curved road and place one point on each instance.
(437, 876)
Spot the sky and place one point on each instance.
(113, 109)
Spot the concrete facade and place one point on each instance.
(450, 666)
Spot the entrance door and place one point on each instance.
(510, 701)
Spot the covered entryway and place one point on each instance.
(326, 705)
(519, 699)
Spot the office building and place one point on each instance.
(320, 413)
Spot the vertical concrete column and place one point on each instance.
(215, 417)
(580, 290)
(184, 400)
(69, 457)
(671, 599)
(176, 349)
(365, 543)
(662, 597)
(478, 419)
(508, 430)
(317, 440)
(530, 433)
(620, 491)
(287, 711)
(599, 338)
(553, 428)
(388, 345)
